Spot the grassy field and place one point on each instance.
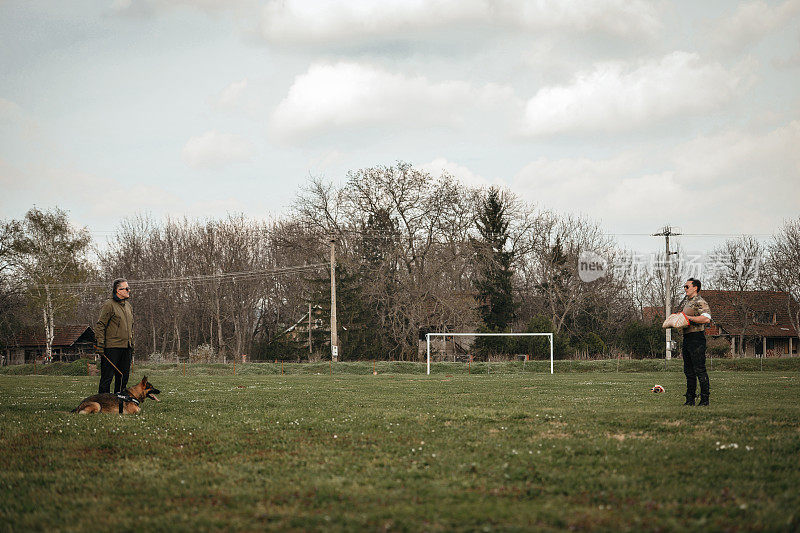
(403, 451)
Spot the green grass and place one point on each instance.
(79, 367)
(403, 451)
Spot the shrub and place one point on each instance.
(540, 346)
(642, 340)
(204, 353)
(158, 357)
(594, 344)
(718, 347)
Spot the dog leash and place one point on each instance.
(110, 363)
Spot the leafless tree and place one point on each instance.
(781, 266)
(736, 266)
(552, 267)
(403, 232)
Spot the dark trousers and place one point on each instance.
(121, 357)
(694, 364)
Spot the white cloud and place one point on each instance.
(617, 97)
(245, 97)
(215, 149)
(752, 21)
(567, 184)
(152, 7)
(46, 185)
(736, 181)
(760, 160)
(347, 94)
(353, 21)
(440, 166)
(232, 96)
(745, 180)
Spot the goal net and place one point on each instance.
(428, 337)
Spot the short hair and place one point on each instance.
(695, 282)
(116, 284)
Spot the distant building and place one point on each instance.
(69, 343)
(760, 320)
(298, 331)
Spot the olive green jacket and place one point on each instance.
(115, 325)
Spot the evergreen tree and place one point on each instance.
(377, 255)
(494, 265)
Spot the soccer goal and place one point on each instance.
(429, 335)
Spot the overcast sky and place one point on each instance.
(633, 113)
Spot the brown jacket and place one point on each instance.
(115, 325)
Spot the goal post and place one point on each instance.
(429, 335)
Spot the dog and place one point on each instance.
(123, 403)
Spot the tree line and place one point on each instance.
(414, 252)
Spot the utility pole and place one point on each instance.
(334, 335)
(666, 233)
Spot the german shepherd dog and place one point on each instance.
(123, 403)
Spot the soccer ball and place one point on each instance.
(657, 388)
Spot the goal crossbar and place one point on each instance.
(429, 335)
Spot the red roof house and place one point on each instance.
(758, 321)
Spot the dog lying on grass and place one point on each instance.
(123, 403)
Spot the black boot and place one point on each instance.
(689, 399)
(703, 399)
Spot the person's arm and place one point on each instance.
(700, 319)
(131, 326)
(703, 314)
(102, 324)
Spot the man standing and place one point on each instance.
(114, 334)
(694, 343)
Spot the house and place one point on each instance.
(69, 343)
(299, 331)
(761, 320)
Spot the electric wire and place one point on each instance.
(162, 283)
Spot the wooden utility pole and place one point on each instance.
(334, 335)
(666, 233)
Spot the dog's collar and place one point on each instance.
(127, 398)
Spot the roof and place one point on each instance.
(652, 313)
(62, 336)
(730, 310)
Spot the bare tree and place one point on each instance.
(418, 226)
(736, 267)
(556, 266)
(781, 267)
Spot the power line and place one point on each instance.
(696, 234)
(154, 283)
